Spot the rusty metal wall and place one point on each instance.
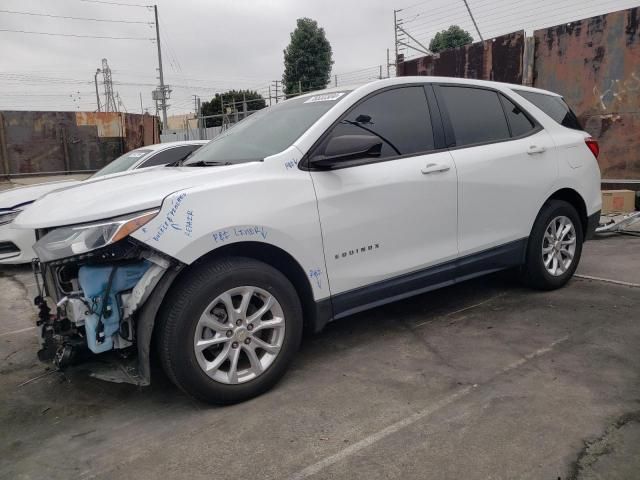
(39, 142)
(595, 64)
(498, 59)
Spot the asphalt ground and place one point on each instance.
(483, 380)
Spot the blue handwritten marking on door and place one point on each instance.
(293, 163)
(221, 236)
(316, 274)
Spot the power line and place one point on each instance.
(77, 36)
(74, 18)
(118, 4)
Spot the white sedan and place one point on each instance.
(15, 244)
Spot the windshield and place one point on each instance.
(122, 163)
(266, 132)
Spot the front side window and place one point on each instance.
(398, 119)
(266, 132)
(553, 106)
(475, 114)
(122, 163)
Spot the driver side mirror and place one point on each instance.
(348, 147)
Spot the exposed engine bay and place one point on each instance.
(89, 307)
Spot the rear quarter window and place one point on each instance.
(553, 106)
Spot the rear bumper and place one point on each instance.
(592, 223)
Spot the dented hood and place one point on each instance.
(17, 196)
(114, 195)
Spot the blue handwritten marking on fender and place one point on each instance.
(316, 274)
(169, 220)
(222, 236)
(188, 224)
(293, 163)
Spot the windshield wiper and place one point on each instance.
(204, 163)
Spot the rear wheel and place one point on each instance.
(554, 247)
(230, 330)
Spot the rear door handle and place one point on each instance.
(535, 149)
(435, 168)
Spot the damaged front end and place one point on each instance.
(99, 292)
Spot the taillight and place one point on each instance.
(592, 143)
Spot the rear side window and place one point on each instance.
(398, 117)
(476, 115)
(553, 106)
(519, 122)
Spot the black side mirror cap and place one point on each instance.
(348, 147)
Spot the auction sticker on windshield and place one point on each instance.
(326, 97)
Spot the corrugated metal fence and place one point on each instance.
(44, 142)
(594, 63)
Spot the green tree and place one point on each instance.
(307, 59)
(452, 37)
(233, 103)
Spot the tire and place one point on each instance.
(535, 273)
(189, 320)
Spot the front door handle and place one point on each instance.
(535, 149)
(435, 168)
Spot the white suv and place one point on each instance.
(318, 207)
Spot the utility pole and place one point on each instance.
(244, 106)
(141, 107)
(335, 77)
(388, 65)
(395, 35)
(473, 20)
(95, 79)
(222, 110)
(299, 87)
(276, 86)
(200, 120)
(195, 104)
(269, 95)
(163, 90)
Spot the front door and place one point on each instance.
(386, 220)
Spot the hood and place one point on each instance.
(20, 195)
(114, 195)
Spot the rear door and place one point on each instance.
(386, 220)
(506, 165)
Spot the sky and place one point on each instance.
(209, 46)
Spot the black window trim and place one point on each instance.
(448, 128)
(434, 117)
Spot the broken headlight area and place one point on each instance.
(88, 301)
(73, 240)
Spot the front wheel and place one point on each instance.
(229, 330)
(554, 247)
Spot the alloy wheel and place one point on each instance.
(559, 245)
(239, 335)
